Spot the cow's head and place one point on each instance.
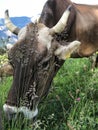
(35, 58)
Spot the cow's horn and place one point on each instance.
(59, 27)
(14, 29)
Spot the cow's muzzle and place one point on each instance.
(12, 111)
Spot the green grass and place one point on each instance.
(72, 103)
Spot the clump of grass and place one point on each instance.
(72, 103)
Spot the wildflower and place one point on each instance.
(77, 99)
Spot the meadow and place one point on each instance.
(72, 103)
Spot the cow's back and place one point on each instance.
(86, 28)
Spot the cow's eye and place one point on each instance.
(45, 64)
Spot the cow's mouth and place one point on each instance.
(28, 107)
(12, 112)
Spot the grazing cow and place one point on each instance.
(36, 57)
(34, 61)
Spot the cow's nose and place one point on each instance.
(13, 112)
(10, 113)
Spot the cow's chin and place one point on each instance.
(11, 112)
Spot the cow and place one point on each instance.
(35, 59)
(81, 24)
(84, 16)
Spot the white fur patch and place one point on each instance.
(44, 37)
(27, 113)
(11, 109)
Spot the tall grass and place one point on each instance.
(72, 103)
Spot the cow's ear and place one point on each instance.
(64, 52)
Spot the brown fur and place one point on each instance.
(82, 23)
(35, 65)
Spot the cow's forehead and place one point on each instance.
(30, 28)
(38, 34)
(28, 44)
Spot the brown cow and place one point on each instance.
(36, 57)
(82, 24)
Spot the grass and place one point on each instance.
(72, 103)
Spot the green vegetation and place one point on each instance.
(72, 103)
(3, 59)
